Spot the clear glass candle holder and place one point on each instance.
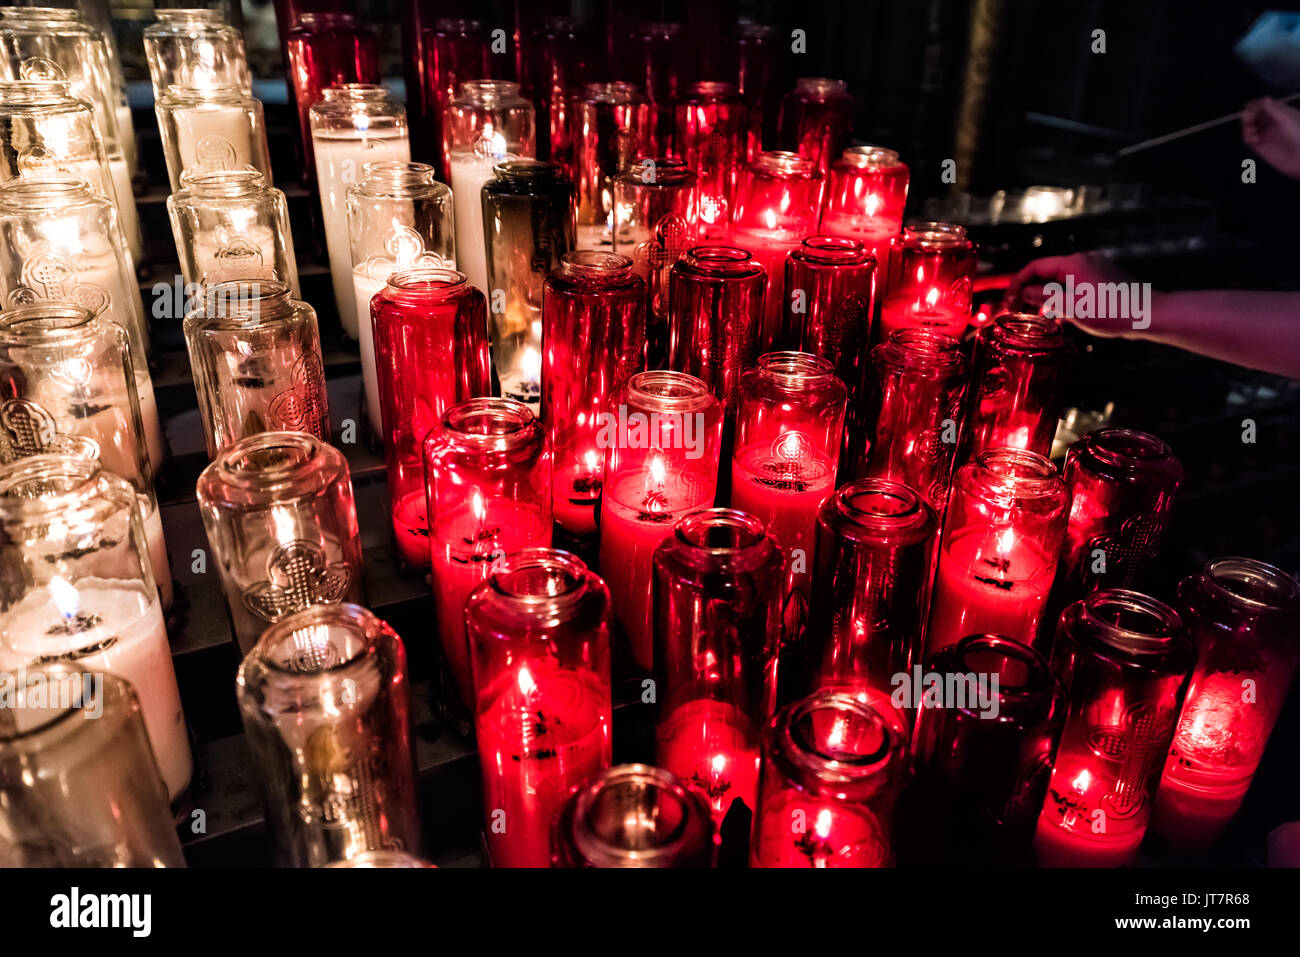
(214, 128)
(1125, 661)
(717, 634)
(256, 359)
(431, 352)
(81, 588)
(326, 707)
(832, 767)
(280, 519)
(61, 242)
(195, 48)
(529, 225)
(912, 424)
(232, 224)
(776, 210)
(661, 463)
(79, 786)
(593, 338)
(539, 641)
(1243, 616)
(930, 283)
(633, 815)
(399, 218)
(1001, 540)
(1018, 370)
(788, 435)
(352, 125)
(69, 386)
(488, 468)
(47, 133)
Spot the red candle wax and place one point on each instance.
(798, 832)
(1068, 839)
(990, 582)
(543, 732)
(577, 493)
(926, 312)
(466, 543)
(712, 747)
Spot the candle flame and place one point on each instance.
(1006, 542)
(526, 683)
(719, 763)
(65, 596)
(591, 460)
(477, 507)
(658, 474)
(532, 363)
(932, 297)
(769, 218)
(873, 204)
(836, 735)
(1081, 782)
(823, 824)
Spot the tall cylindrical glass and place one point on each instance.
(1244, 618)
(1125, 662)
(832, 767)
(711, 137)
(399, 218)
(45, 132)
(661, 464)
(817, 119)
(866, 194)
(611, 128)
(983, 753)
(66, 376)
(539, 641)
(931, 272)
(278, 511)
(79, 785)
(593, 342)
(256, 359)
(529, 225)
(715, 310)
(60, 241)
(911, 427)
(717, 633)
(352, 125)
(488, 469)
(633, 815)
(79, 587)
(195, 48)
(231, 224)
(431, 352)
(326, 707)
(557, 61)
(776, 209)
(455, 50)
(1001, 539)
(1018, 371)
(788, 435)
(214, 128)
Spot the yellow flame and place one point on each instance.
(932, 297)
(66, 598)
(1006, 542)
(526, 683)
(823, 824)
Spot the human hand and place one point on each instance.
(1272, 130)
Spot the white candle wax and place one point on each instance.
(153, 433)
(127, 215)
(213, 136)
(339, 162)
(157, 545)
(468, 174)
(248, 253)
(365, 287)
(109, 626)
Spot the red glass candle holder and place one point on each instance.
(717, 632)
(539, 640)
(611, 128)
(758, 48)
(828, 305)
(634, 815)
(557, 60)
(1122, 485)
(1125, 662)
(875, 549)
(984, 755)
(455, 50)
(660, 62)
(1001, 538)
(832, 767)
(431, 352)
(817, 119)
(866, 194)
(711, 130)
(593, 342)
(911, 431)
(655, 223)
(488, 471)
(715, 307)
(776, 209)
(324, 50)
(788, 434)
(1244, 618)
(1018, 370)
(931, 271)
(662, 439)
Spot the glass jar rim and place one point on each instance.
(595, 264)
(39, 192)
(438, 281)
(1232, 576)
(1019, 466)
(713, 89)
(500, 423)
(795, 370)
(869, 157)
(666, 172)
(717, 259)
(487, 89)
(592, 846)
(821, 84)
(791, 742)
(355, 91)
(783, 163)
(1039, 686)
(613, 91)
(41, 92)
(835, 250)
(225, 93)
(934, 236)
(921, 350)
(513, 579)
(45, 322)
(361, 624)
(662, 390)
(189, 13)
(398, 179)
(78, 477)
(205, 181)
(1130, 622)
(1127, 449)
(1026, 332)
(526, 167)
(698, 530)
(872, 509)
(235, 303)
(13, 12)
(301, 454)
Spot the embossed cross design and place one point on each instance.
(1127, 549)
(28, 429)
(301, 407)
(298, 576)
(1136, 744)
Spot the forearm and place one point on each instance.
(1259, 330)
